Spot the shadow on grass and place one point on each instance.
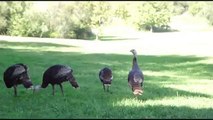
(32, 44)
(110, 38)
(164, 28)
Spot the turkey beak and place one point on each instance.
(31, 88)
(36, 88)
(76, 88)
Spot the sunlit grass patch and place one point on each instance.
(197, 86)
(179, 101)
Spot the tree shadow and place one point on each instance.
(32, 44)
(110, 38)
(163, 28)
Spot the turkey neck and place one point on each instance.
(135, 63)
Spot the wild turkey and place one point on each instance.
(105, 75)
(57, 74)
(17, 74)
(135, 77)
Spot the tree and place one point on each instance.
(180, 7)
(195, 7)
(3, 20)
(153, 14)
(16, 21)
(207, 12)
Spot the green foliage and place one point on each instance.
(37, 24)
(18, 24)
(180, 7)
(4, 17)
(201, 9)
(207, 12)
(60, 22)
(101, 13)
(30, 23)
(153, 14)
(121, 10)
(195, 8)
(77, 19)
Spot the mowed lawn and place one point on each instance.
(174, 87)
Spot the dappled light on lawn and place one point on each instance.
(164, 73)
(194, 85)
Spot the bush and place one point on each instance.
(153, 14)
(3, 25)
(180, 7)
(195, 8)
(207, 12)
(84, 33)
(4, 17)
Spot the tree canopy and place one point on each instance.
(75, 19)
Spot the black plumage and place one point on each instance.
(135, 76)
(57, 74)
(105, 76)
(17, 74)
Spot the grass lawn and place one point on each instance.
(175, 86)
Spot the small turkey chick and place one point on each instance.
(135, 76)
(105, 76)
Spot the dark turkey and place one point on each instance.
(57, 74)
(135, 77)
(15, 75)
(105, 75)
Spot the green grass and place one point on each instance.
(175, 86)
